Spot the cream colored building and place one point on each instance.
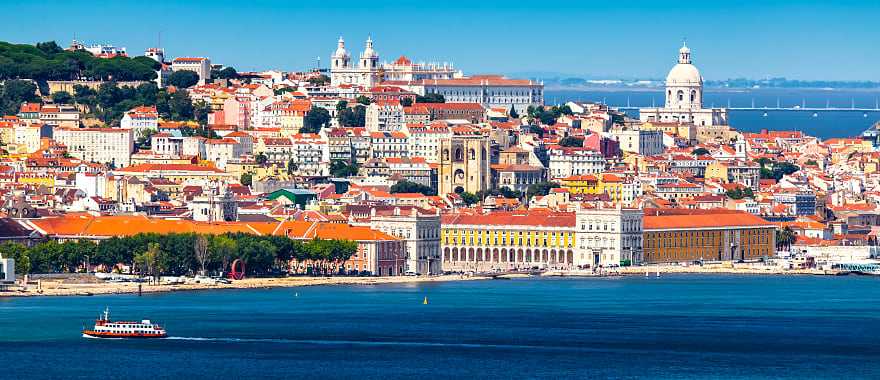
(464, 163)
(101, 145)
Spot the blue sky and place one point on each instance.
(636, 39)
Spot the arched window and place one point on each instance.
(680, 95)
(459, 155)
(446, 154)
(473, 154)
(693, 96)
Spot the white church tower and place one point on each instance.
(366, 74)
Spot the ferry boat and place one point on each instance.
(105, 328)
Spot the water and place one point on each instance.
(670, 327)
(825, 124)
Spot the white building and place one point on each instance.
(101, 145)
(384, 117)
(27, 136)
(642, 142)
(418, 228)
(200, 65)
(366, 74)
(684, 97)
(490, 91)
(569, 161)
(424, 141)
(140, 120)
(403, 69)
(608, 237)
(221, 151)
(7, 270)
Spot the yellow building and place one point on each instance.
(507, 240)
(464, 162)
(716, 170)
(37, 179)
(615, 186)
(685, 131)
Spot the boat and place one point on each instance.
(105, 328)
(764, 115)
(815, 114)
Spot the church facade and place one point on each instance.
(343, 71)
(684, 98)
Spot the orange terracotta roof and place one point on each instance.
(723, 219)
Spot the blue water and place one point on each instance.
(825, 124)
(694, 327)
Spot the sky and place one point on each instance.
(811, 40)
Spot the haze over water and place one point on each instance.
(685, 326)
(826, 124)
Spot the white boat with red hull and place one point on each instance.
(105, 328)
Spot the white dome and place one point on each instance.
(684, 74)
(368, 50)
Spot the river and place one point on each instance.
(675, 326)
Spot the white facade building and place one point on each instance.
(384, 117)
(140, 120)
(101, 145)
(565, 162)
(608, 237)
(200, 65)
(642, 142)
(684, 97)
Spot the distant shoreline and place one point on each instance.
(61, 289)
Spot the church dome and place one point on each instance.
(684, 74)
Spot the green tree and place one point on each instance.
(225, 73)
(15, 92)
(343, 169)
(320, 80)
(316, 119)
(223, 249)
(361, 99)
(431, 97)
(62, 97)
(261, 159)
(571, 141)
(700, 152)
(20, 254)
(785, 237)
(183, 79)
(351, 117)
(512, 113)
(469, 198)
(406, 102)
(147, 262)
(411, 187)
(541, 188)
(246, 179)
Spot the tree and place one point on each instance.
(223, 249)
(362, 99)
(343, 169)
(512, 113)
(320, 80)
(536, 130)
(541, 188)
(411, 187)
(735, 193)
(316, 119)
(62, 97)
(225, 73)
(20, 254)
(180, 106)
(352, 116)
(469, 198)
(147, 261)
(200, 248)
(572, 141)
(246, 179)
(261, 159)
(431, 97)
(700, 152)
(406, 102)
(15, 92)
(291, 167)
(183, 78)
(341, 105)
(785, 237)
(811, 163)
